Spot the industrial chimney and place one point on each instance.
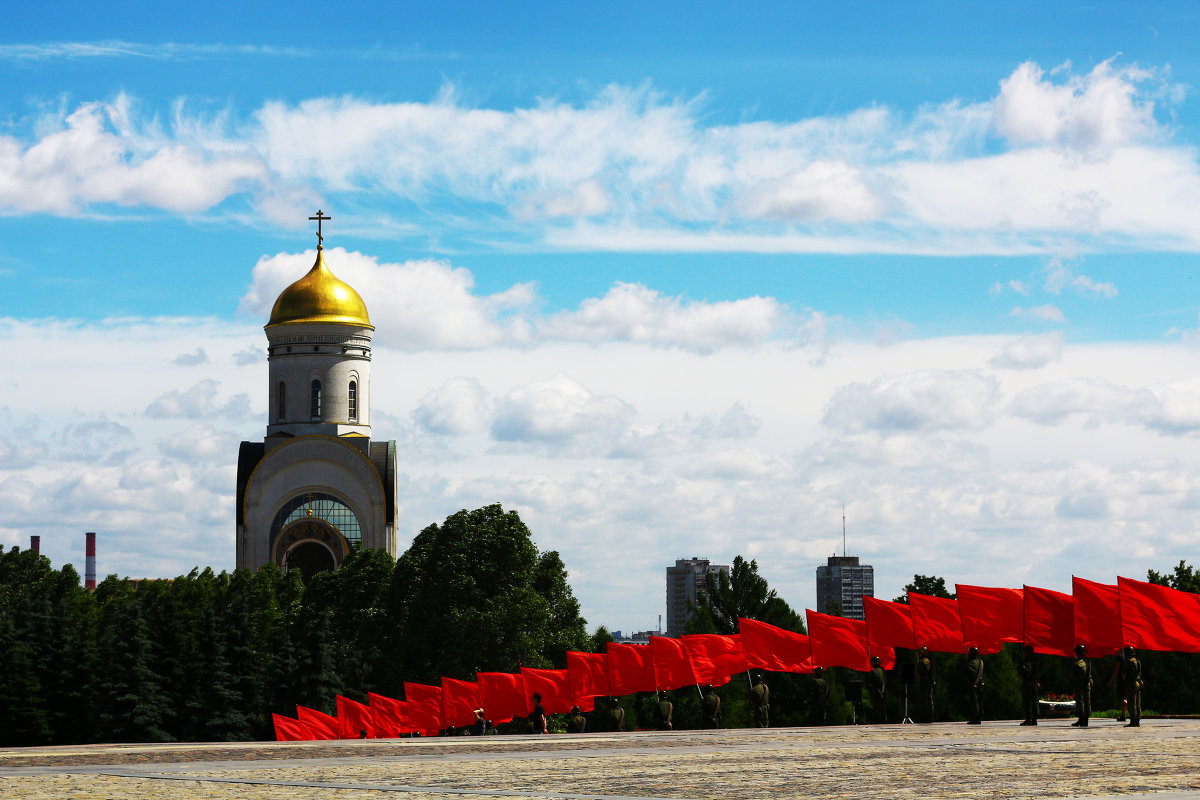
(35, 544)
(89, 566)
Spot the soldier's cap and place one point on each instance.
(479, 711)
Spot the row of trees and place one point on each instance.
(208, 657)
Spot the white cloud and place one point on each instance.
(1060, 275)
(198, 402)
(1086, 112)
(198, 356)
(1081, 159)
(557, 410)
(459, 406)
(1168, 410)
(923, 400)
(1030, 352)
(1042, 313)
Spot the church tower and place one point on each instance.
(317, 486)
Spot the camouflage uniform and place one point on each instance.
(760, 699)
(974, 674)
(1132, 679)
(1081, 677)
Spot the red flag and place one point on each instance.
(1155, 617)
(502, 696)
(990, 616)
(424, 706)
(889, 625)
(354, 720)
(1049, 621)
(1097, 616)
(388, 715)
(291, 730)
(715, 658)
(630, 668)
(554, 687)
(775, 649)
(587, 677)
(321, 726)
(671, 666)
(459, 701)
(936, 623)
(838, 642)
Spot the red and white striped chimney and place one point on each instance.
(89, 565)
(35, 544)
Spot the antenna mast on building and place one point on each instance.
(843, 530)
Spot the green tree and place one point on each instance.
(742, 593)
(930, 585)
(474, 593)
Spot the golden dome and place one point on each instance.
(320, 297)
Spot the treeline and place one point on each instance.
(208, 657)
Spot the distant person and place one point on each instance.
(479, 726)
(1029, 687)
(820, 697)
(973, 671)
(1081, 679)
(616, 716)
(710, 708)
(577, 722)
(760, 701)
(926, 680)
(877, 683)
(1132, 676)
(537, 717)
(664, 709)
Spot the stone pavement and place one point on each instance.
(995, 760)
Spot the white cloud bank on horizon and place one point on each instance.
(984, 459)
(1049, 160)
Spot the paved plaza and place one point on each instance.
(995, 760)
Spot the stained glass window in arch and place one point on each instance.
(322, 506)
(353, 401)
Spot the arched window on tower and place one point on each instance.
(353, 401)
(314, 404)
(281, 403)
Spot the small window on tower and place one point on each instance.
(281, 403)
(315, 401)
(353, 401)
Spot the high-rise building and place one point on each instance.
(684, 581)
(843, 582)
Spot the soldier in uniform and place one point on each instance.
(616, 716)
(820, 696)
(710, 708)
(577, 722)
(1081, 678)
(974, 674)
(1131, 674)
(926, 680)
(1029, 687)
(760, 699)
(877, 681)
(663, 710)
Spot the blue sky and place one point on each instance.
(877, 247)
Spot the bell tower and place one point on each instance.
(317, 486)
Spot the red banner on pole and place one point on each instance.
(671, 666)
(1156, 617)
(322, 726)
(714, 658)
(1049, 621)
(459, 701)
(1097, 616)
(388, 716)
(936, 623)
(587, 678)
(889, 625)
(424, 706)
(354, 720)
(838, 642)
(990, 616)
(630, 668)
(291, 730)
(502, 695)
(554, 687)
(773, 648)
